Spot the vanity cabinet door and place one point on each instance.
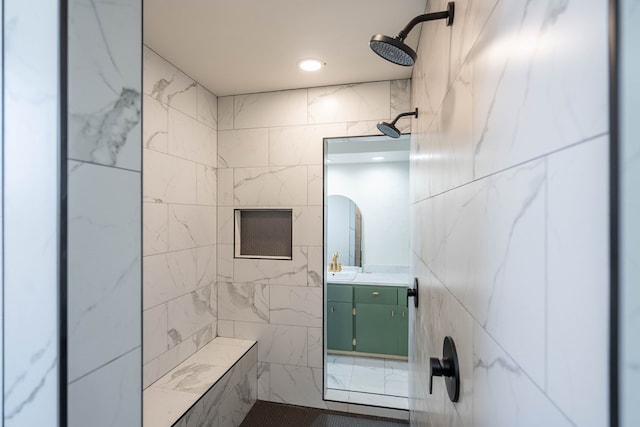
(340, 326)
(377, 328)
(403, 331)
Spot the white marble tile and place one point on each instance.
(270, 186)
(400, 97)
(168, 179)
(314, 347)
(225, 328)
(502, 218)
(337, 395)
(104, 217)
(191, 226)
(367, 379)
(338, 382)
(206, 266)
(307, 226)
(300, 145)
(276, 344)
(452, 133)
(284, 108)
(225, 225)
(191, 377)
(225, 263)
(206, 185)
(30, 192)
(188, 314)
(104, 94)
(527, 77)
(170, 359)
(315, 185)
(154, 228)
(154, 332)
(243, 148)
(264, 381)
(155, 135)
(109, 396)
(163, 407)
(207, 107)
(189, 139)
(348, 103)
(225, 113)
(315, 265)
(167, 276)
(167, 84)
(247, 302)
(293, 305)
(503, 394)
(578, 277)
(296, 385)
(250, 361)
(225, 187)
(219, 353)
(282, 272)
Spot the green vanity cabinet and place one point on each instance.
(340, 317)
(379, 325)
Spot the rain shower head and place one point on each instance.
(390, 129)
(394, 49)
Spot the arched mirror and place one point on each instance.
(344, 229)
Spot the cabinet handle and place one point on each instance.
(375, 293)
(403, 314)
(392, 313)
(333, 309)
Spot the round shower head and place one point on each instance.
(393, 50)
(388, 129)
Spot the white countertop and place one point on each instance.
(379, 279)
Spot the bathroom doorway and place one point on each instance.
(366, 270)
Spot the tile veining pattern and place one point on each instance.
(179, 231)
(509, 213)
(104, 215)
(217, 385)
(368, 380)
(270, 154)
(30, 357)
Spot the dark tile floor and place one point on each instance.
(269, 414)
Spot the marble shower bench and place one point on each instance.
(216, 386)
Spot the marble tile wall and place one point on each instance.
(509, 216)
(630, 212)
(179, 209)
(30, 212)
(270, 154)
(104, 212)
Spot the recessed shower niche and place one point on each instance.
(263, 233)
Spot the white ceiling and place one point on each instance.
(248, 46)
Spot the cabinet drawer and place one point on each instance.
(376, 295)
(339, 293)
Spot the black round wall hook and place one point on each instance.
(413, 292)
(448, 368)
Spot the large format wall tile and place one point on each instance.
(270, 155)
(181, 191)
(577, 282)
(349, 103)
(104, 265)
(110, 395)
(104, 71)
(508, 213)
(258, 110)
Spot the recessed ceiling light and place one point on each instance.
(377, 158)
(310, 64)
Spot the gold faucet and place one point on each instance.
(334, 267)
